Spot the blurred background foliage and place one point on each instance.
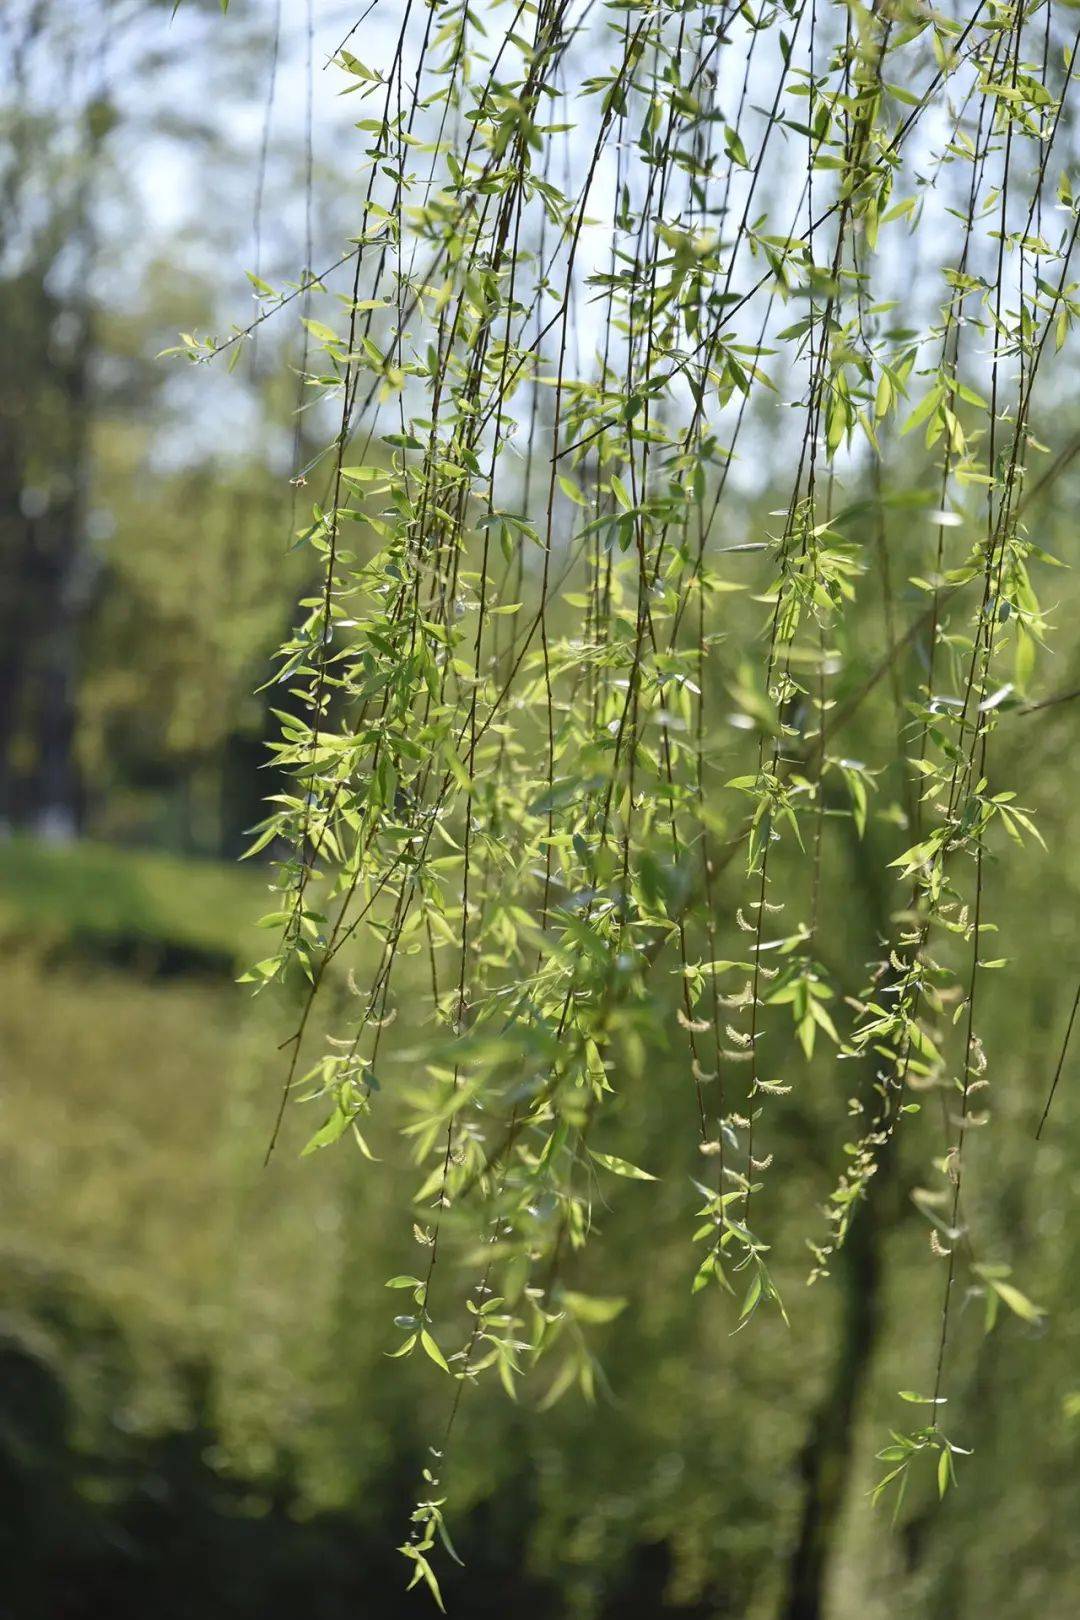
(196, 1412)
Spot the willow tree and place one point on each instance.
(684, 347)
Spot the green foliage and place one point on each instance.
(512, 785)
(131, 1136)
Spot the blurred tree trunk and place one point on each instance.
(825, 1463)
(46, 333)
(43, 406)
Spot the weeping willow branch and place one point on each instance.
(740, 283)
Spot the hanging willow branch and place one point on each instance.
(619, 271)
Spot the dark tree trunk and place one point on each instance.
(825, 1463)
(43, 564)
(826, 1457)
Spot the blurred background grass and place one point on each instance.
(196, 1413)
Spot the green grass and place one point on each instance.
(97, 896)
(141, 1235)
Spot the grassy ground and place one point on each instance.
(138, 1217)
(111, 901)
(119, 1086)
